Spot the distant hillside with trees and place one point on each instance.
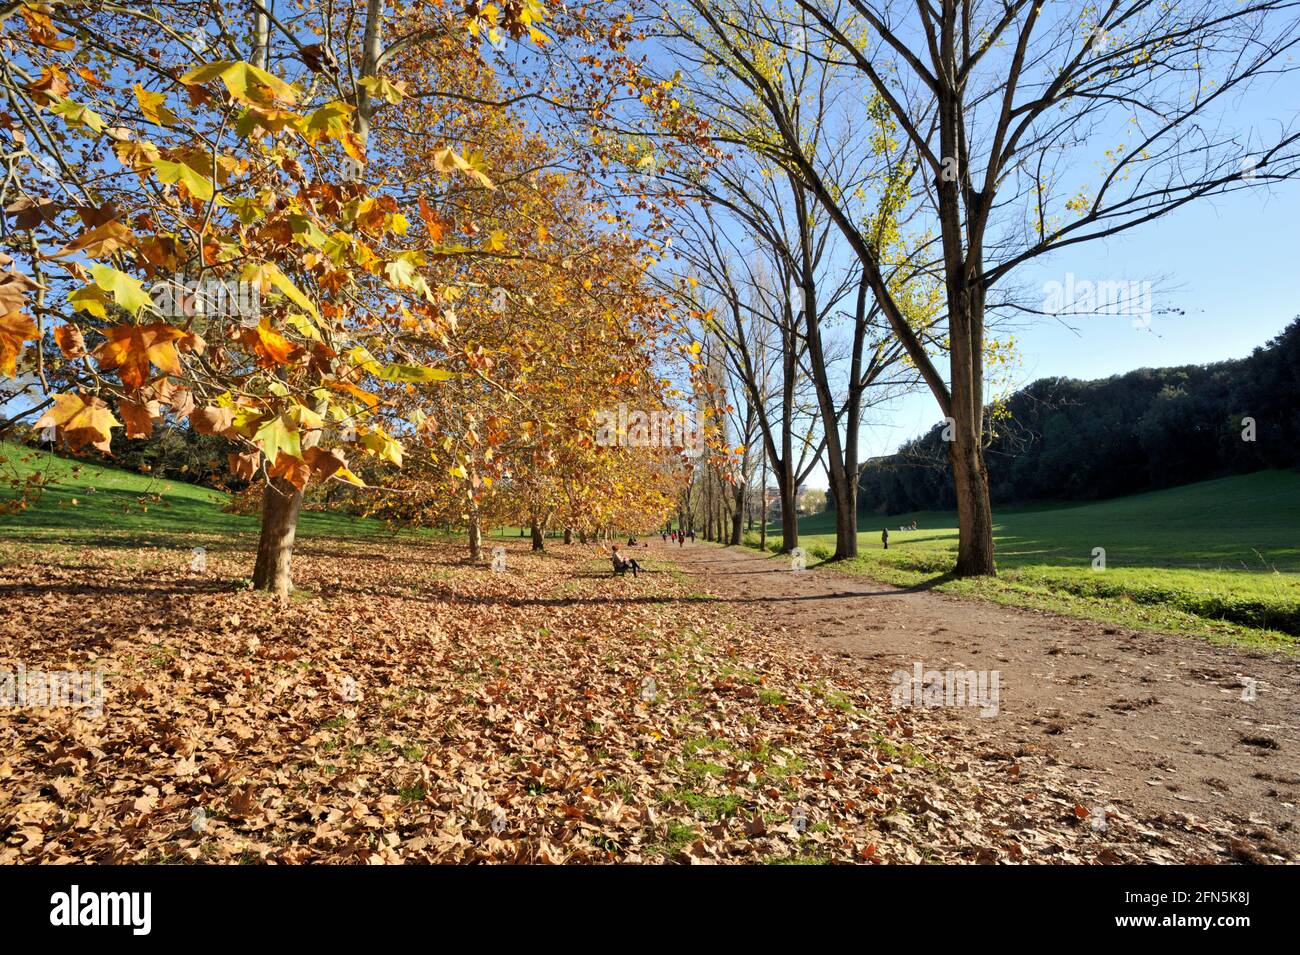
(1064, 439)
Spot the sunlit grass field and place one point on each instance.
(86, 503)
(1220, 558)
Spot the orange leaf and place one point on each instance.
(212, 420)
(15, 328)
(70, 340)
(42, 31)
(272, 348)
(294, 470)
(99, 242)
(80, 420)
(244, 465)
(323, 463)
(182, 402)
(436, 225)
(89, 77)
(346, 386)
(131, 348)
(139, 417)
(192, 342)
(14, 287)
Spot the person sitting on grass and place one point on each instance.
(622, 563)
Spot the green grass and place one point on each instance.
(1218, 558)
(90, 503)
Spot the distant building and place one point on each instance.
(774, 502)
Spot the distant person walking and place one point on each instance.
(884, 538)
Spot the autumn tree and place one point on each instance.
(211, 173)
(221, 185)
(547, 326)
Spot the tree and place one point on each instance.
(992, 100)
(547, 339)
(222, 182)
(761, 195)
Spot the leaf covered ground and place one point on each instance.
(406, 706)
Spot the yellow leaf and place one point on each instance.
(197, 184)
(244, 81)
(381, 88)
(267, 274)
(80, 421)
(128, 292)
(78, 115)
(151, 104)
(90, 300)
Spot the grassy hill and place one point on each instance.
(1218, 558)
(83, 502)
(1245, 522)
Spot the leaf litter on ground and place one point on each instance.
(406, 706)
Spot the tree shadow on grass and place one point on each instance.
(169, 588)
(920, 587)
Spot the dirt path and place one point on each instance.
(1154, 723)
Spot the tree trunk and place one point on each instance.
(845, 492)
(787, 490)
(974, 511)
(281, 503)
(568, 535)
(789, 522)
(970, 475)
(539, 541)
(738, 517)
(475, 539)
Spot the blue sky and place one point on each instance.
(1232, 263)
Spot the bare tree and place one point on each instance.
(765, 195)
(1004, 107)
(741, 288)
